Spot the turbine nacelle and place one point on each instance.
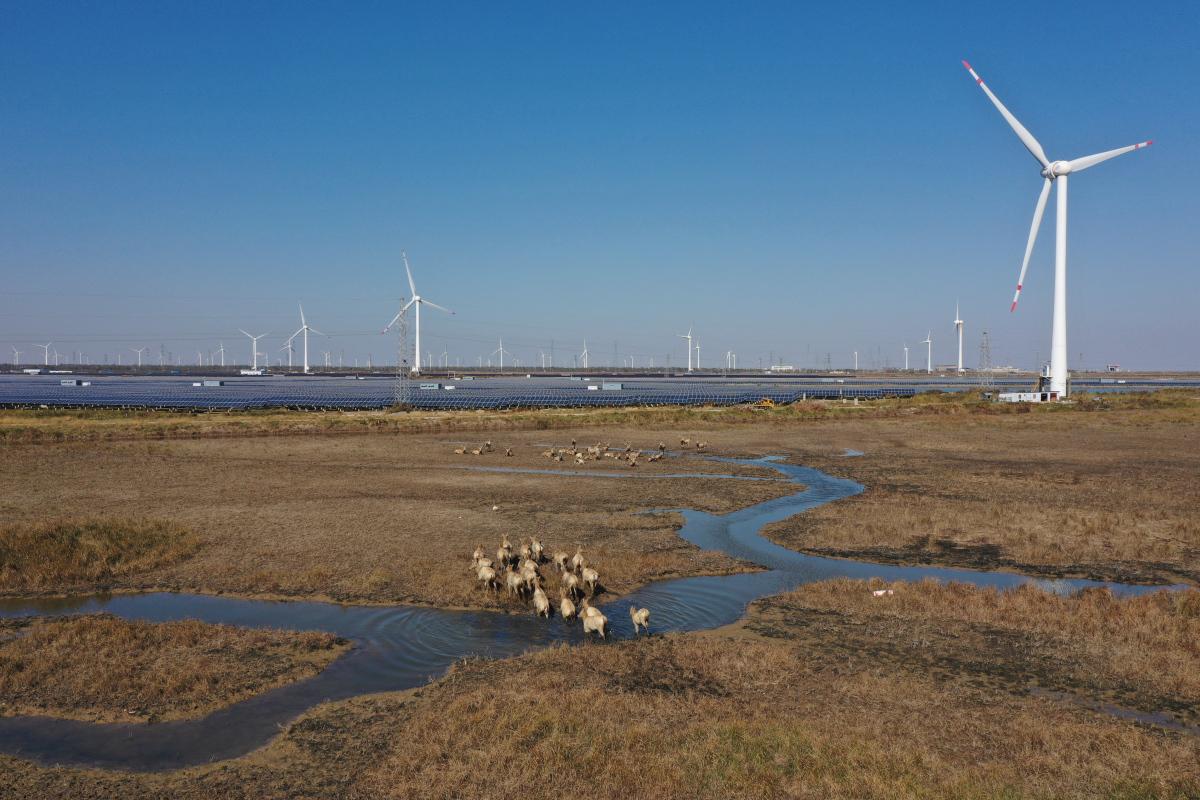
(1056, 169)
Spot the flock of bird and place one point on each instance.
(595, 452)
(519, 572)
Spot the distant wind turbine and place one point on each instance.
(304, 329)
(417, 301)
(688, 336)
(1055, 172)
(139, 351)
(501, 351)
(253, 348)
(16, 357)
(928, 341)
(584, 355)
(958, 326)
(906, 356)
(45, 352)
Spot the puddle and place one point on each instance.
(401, 647)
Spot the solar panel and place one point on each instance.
(492, 392)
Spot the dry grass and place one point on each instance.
(1104, 495)
(92, 552)
(822, 693)
(102, 668)
(784, 710)
(54, 425)
(377, 518)
(1144, 649)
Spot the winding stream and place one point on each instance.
(401, 647)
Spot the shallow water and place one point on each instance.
(401, 647)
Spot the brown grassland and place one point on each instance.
(1107, 488)
(370, 518)
(935, 691)
(824, 692)
(104, 669)
(86, 552)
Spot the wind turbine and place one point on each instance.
(584, 355)
(16, 357)
(139, 351)
(906, 356)
(688, 336)
(304, 329)
(45, 352)
(501, 351)
(221, 351)
(418, 301)
(958, 326)
(928, 341)
(253, 348)
(1055, 172)
(697, 354)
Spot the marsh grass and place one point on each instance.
(49, 425)
(809, 709)
(102, 668)
(40, 556)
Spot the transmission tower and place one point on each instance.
(402, 393)
(985, 361)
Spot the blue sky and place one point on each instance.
(795, 179)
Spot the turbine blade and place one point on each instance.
(1025, 136)
(1038, 211)
(407, 305)
(395, 319)
(314, 330)
(412, 286)
(1080, 164)
(435, 305)
(301, 313)
(246, 333)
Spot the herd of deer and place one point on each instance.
(519, 573)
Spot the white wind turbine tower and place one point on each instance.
(928, 341)
(501, 351)
(139, 351)
(958, 326)
(418, 301)
(1053, 172)
(688, 336)
(16, 356)
(584, 355)
(304, 329)
(45, 352)
(253, 348)
(221, 351)
(906, 356)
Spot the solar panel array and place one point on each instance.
(347, 393)
(381, 392)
